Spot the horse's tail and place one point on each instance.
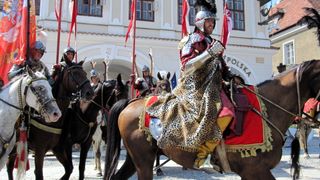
(113, 139)
(295, 152)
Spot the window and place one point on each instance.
(90, 7)
(192, 11)
(144, 10)
(37, 6)
(236, 8)
(288, 51)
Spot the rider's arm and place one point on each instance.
(15, 70)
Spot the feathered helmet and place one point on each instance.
(206, 10)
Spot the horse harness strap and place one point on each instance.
(298, 90)
(90, 125)
(45, 127)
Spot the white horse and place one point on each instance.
(31, 89)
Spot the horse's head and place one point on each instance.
(309, 73)
(163, 84)
(74, 80)
(38, 95)
(113, 90)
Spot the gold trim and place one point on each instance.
(45, 128)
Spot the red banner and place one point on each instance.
(227, 25)
(132, 18)
(74, 13)
(13, 34)
(185, 18)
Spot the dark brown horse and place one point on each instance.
(124, 123)
(82, 120)
(72, 83)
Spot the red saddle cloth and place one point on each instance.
(253, 129)
(150, 101)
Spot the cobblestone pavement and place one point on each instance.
(310, 167)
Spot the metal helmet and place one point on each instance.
(69, 49)
(93, 73)
(145, 68)
(201, 16)
(39, 46)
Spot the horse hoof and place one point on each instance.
(99, 174)
(159, 172)
(306, 156)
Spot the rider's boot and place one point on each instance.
(208, 147)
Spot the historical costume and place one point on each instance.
(189, 115)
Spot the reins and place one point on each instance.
(278, 106)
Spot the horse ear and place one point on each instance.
(159, 76)
(168, 75)
(81, 63)
(119, 79)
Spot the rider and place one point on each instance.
(65, 62)
(198, 98)
(150, 80)
(95, 80)
(34, 62)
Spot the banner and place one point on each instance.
(185, 18)
(13, 33)
(226, 26)
(132, 18)
(73, 7)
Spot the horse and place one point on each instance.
(30, 89)
(281, 108)
(72, 83)
(83, 122)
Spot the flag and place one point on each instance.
(74, 12)
(226, 26)
(56, 8)
(13, 33)
(185, 18)
(174, 81)
(132, 18)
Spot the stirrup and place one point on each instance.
(208, 166)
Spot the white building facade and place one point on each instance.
(102, 25)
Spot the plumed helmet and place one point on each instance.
(69, 49)
(145, 68)
(201, 16)
(39, 46)
(93, 73)
(206, 10)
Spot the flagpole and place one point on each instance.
(59, 30)
(28, 30)
(134, 46)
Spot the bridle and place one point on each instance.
(43, 101)
(80, 85)
(299, 115)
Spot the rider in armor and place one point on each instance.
(34, 62)
(66, 61)
(95, 80)
(195, 104)
(151, 81)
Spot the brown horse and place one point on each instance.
(73, 83)
(124, 123)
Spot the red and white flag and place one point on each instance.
(13, 34)
(185, 18)
(73, 7)
(226, 26)
(132, 19)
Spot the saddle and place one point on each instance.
(241, 106)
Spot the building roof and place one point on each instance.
(293, 12)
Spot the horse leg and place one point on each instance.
(10, 164)
(38, 162)
(96, 143)
(83, 156)
(159, 171)
(257, 174)
(64, 156)
(126, 170)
